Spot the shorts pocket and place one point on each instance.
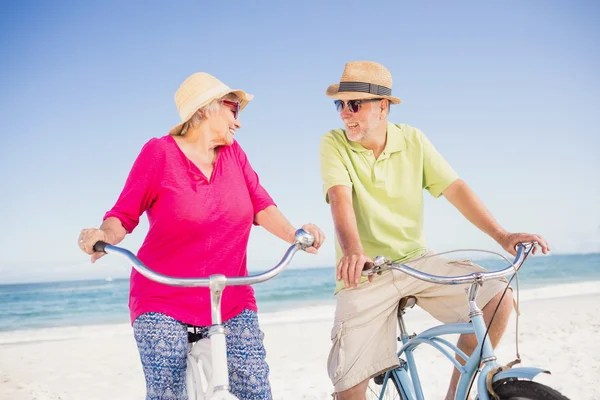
(336, 359)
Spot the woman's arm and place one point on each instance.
(111, 231)
(275, 222)
(137, 196)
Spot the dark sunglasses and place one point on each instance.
(353, 105)
(234, 105)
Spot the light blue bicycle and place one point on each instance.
(492, 380)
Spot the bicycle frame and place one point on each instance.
(216, 333)
(406, 375)
(412, 384)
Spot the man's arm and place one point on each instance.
(461, 196)
(353, 260)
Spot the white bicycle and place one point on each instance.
(207, 377)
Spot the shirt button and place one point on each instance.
(196, 177)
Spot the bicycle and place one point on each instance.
(212, 383)
(493, 381)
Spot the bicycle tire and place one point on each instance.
(392, 392)
(512, 389)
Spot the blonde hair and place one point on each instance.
(202, 113)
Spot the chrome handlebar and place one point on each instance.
(381, 264)
(303, 240)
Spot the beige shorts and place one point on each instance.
(364, 334)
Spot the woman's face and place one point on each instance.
(224, 122)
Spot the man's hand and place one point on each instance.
(350, 268)
(509, 241)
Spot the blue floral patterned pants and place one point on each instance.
(162, 343)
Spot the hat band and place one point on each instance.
(365, 87)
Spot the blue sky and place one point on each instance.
(508, 92)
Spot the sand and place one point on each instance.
(559, 331)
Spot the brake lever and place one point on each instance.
(378, 266)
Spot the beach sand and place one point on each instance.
(559, 331)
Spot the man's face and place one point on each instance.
(360, 117)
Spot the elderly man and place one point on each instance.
(374, 173)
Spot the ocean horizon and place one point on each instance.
(104, 301)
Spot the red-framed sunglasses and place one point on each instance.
(353, 105)
(234, 105)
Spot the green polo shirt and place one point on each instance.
(387, 193)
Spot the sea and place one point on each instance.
(92, 302)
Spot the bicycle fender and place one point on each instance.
(521, 373)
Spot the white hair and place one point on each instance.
(389, 107)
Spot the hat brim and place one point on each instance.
(333, 92)
(244, 100)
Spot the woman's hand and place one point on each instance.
(88, 238)
(317, 234)
(275, 222)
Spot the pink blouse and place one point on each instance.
(198, 227)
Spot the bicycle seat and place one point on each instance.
(406, 302)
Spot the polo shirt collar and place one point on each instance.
(395, 141)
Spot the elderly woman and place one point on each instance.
(201, 196)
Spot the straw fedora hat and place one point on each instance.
(363, 80)
(197, 91)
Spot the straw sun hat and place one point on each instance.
(363, 80)
(199, 90)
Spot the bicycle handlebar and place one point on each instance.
(381, 264)
(303, 240)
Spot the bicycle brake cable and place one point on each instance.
(516, 275)
(455, 251)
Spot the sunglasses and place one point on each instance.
(353, 105)
(234, 106)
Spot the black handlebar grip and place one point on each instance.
(99, 246)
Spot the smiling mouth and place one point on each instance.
(352, 125)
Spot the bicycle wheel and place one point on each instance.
(393, 391)
(511, 389)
